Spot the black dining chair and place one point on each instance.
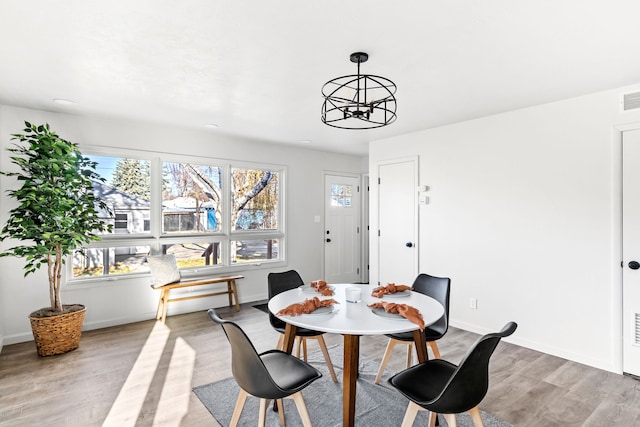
(444, 388)
(438, 288)
(273, 374)
(281, 282)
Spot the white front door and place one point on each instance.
(342, 229)
(631, 251)
(397, 221)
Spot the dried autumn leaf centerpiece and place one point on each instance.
(57, 214)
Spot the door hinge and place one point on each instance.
(358, 270)
(358, 188)
(378, 233)
(358, 230)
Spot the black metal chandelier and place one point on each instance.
(359, 101)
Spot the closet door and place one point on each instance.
(631, 251)
(398, 221)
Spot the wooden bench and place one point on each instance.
(165, 300)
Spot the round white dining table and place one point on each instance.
(353, 320)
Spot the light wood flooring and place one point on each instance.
(141, 375)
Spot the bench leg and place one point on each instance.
(162, 306)
(229, 293)
(233, 289)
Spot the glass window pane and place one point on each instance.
(191, 198)
(341, 195)
(256, 199)
(189, 255)
(110, 261)
(254, 250)
(127, 191)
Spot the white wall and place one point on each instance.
(124, 301)
(524, 215)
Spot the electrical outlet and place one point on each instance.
(473, 303)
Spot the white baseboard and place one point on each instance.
(606, 365)
(173, 309)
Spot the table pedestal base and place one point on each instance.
(351, 361)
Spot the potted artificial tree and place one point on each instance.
(56, 215)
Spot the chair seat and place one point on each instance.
(424, 382)
(442, 387)
(273, 374)
(429, 333)
(289, 373)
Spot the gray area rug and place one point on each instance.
(376, 405)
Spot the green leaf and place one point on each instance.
(56, 209)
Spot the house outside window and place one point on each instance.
(212, 215)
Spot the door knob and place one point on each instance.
(328, 240)
(634, 265)
(409, 244)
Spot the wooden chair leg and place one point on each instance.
(410, 414)
(434, 349)
(262, 415)
(433, 417)
(409, 354)
(323, 347)
(297, 343)
(385, 359)
(451, 420)
(475, 416)
(280, 406)
(302, 409)
(280, 344)
(242, 397)
(304, 349)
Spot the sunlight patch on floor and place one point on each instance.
(128, 405)
(174, 400)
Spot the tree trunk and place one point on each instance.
(241, 202)
(55, 278)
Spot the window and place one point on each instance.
(121, 222)
(210, 214)
(191, 198)
(248, 251)
(127, 191)
(194, 254)
(255, 199)
(341, 195)
(255, 209)
(110, 261)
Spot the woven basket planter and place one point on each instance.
(57, 334)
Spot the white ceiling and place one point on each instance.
(256, 67)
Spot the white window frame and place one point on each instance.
(155, 238)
